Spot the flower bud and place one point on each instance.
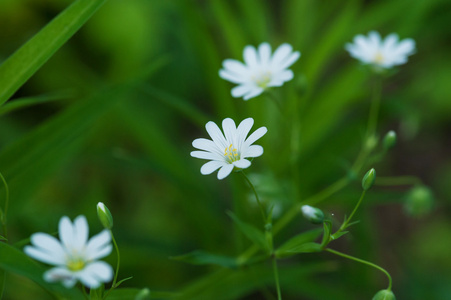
(389, 140)
(313, 214)
(104, 215)
(384, 295)
(419, 201)
(368, 179)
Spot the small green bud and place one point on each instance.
(368, 179)
(371, 142)
(389, 140)
(419, 201)
(104, 215)
(313, 214)
(384, 295)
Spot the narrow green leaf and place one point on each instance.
(20, 66)
(305, 248)
(338, 235)
(30, 101)
(251, 232)
(326, 235)
(297, 241)
(205, 258)
(122, 281)
(15, 261)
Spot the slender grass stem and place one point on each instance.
(5, 212)
(276, 277)
(363, 262)
(262, 210)
(113, 286)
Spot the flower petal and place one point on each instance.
(288, 61)
(236, 67)
(81, 232)
(254, 136)
(99, 246)
(253, 151)
(60, 274)
(211, 166)
(253, 93)
(281, 77)
(225, 171)
(264, 51)
(250, 56)
(229, 128)
(206, 155)
(243, 130)
(206, 145)
(242, 163)
(232, 77)
(241, 90)
(66, 232)
(216, 135)
(281, 54)
(43, 256)
(95, 273)
(47, 243)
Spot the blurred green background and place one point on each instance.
(122, 101)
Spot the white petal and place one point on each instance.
(60, 274)
(288, 61)
(253, 93)
(243, 130)
(242, 163)
(264, 51)
(47, 243)
(241, 90)
(66, 232)
(250, 56)
(390, 43)
(101, 270)
(406, 47)
(81, 231)
(253, 151)
(206, 145)
(236, 67)
(281, 54)
(232, 77)
(279, 78)
(374, 39)
(211, 166)
(225, 171)
(205, 155)
(99, 246)
(255, 136)
(229, 128)
(216, 135)
(43, 256)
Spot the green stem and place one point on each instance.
(85, 295)
(345, 224)
(363, 262)
(113, 286)
(5, 232)
(374, 110)
(399, 180)
(276, 277)
(262, 210)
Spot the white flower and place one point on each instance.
(231, 151)
(381, 53)
(73, 255)
(261, 70)
(313, 214)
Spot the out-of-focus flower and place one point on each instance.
(313, 214)
(260, 71)
(230, 149)
(74, 256)
(381, 53)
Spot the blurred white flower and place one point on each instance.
(229, 151)
(73, 255)
(260, 71)
(381, 53)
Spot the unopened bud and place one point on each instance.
(419, 201)
(313, 214)
(104, 215)
(389, 140)
(368, 179)
(384, 295)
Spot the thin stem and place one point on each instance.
(374, 110)
(398, 180)
(363, 262)
(113, 286)
(85, 295)
(262, 210)
(5, 232)
(276, 277)
(342, 227)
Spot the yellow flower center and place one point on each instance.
(378, 58)
(76, 265)
(231, 153)
(263, 79)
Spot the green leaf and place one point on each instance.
(97, 294)
(20, 66)
(122, 281)
(305, 248)
(15, 261)
(338, 234)
(295, 242)
(204, 258)
(326, 235)
(138, 294)
(251, 232)
(30, 101)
